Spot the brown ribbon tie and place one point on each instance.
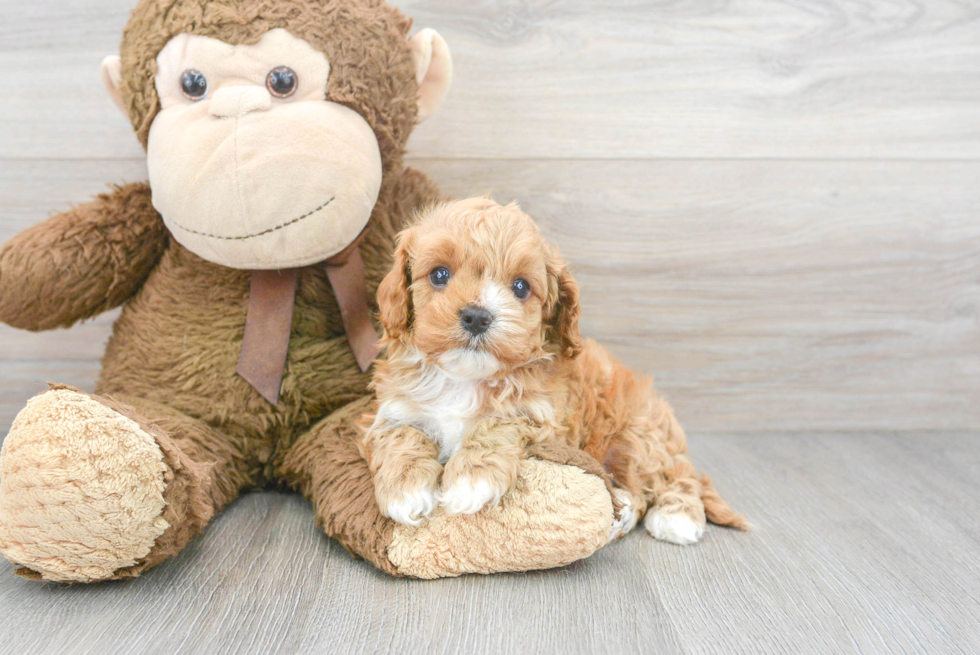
(271, 300)
(345, 270)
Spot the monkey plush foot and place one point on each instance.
(82, 492)
(556, 514)
(560, 510)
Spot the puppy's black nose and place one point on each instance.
(475, 320)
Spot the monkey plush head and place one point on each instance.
(269, 126)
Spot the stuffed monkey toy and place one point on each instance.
(246, 268)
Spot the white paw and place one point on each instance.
(675, 528)
(411, 508)
(626, 517)
(467, 497)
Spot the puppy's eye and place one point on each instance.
(521, 288)
(440, 277)
(193, 84)
(282, 82)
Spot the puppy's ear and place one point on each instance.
(563, 310)
(394, 297)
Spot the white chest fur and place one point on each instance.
(448, 419)
(444, 407)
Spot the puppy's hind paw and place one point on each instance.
(468, 497)
(626, 518)
(674, 528)
(412, 507)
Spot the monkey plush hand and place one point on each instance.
(246, 267)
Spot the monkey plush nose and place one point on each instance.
(475, 320)
(235, 101)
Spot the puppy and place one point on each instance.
(484, 357)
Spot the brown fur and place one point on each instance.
(170, 364)
(371, 68)
(82, 262)
(548, 386)
(172, 356)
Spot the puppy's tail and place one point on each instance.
(717, 510)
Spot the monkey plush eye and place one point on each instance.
(440, 277)
(193, 84)
(521, 288)
(282, 82)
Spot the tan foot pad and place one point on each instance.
(556, 515)
(81, 489)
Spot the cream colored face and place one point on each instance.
(247, 179)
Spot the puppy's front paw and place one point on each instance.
(411, 506)
(674, 528)
(468, 496)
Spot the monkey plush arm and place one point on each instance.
(82, 262)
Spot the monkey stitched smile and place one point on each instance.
(257, 234)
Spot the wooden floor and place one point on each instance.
(863, 543)
(771, 205)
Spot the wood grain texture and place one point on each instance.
(864, 543)
(770, 205)
(579, 79)
(773, 295)
(763, 295)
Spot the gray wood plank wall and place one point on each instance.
(774, 207)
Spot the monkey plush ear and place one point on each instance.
(433, 70)
(112, 79)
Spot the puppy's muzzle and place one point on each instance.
(475, 320)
